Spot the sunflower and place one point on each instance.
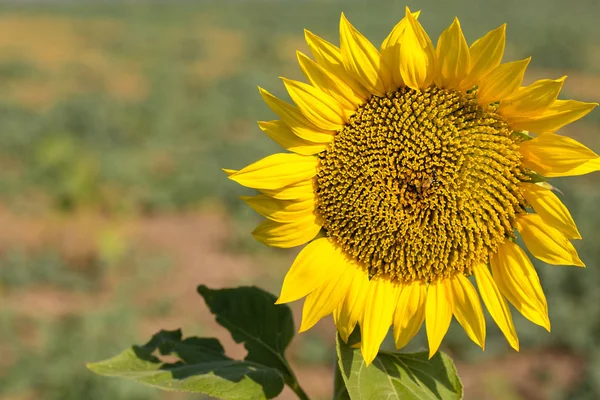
(411, 172)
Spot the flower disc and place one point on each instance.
(421, 185)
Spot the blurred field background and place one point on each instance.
(115, 120)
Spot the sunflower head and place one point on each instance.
(412, 168)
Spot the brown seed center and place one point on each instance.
(420, 185)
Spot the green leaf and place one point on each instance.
(196, 365)
(395, 376)
(201, 366)
(252, 318)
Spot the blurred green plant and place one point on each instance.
(90, 336)
(20, 269)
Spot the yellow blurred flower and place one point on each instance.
(410, 169)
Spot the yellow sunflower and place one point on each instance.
(411, 169)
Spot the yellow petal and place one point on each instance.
(297, 122)
(229, 172)
(453, 56)
(329, 83)
(326, 298)
(501, 82)
(298, 191)
(276, 171)
(496, 304)
(350, 311)
(362, 59)
(545, 242)
(319, 262)
(286, 235)
(519, 283)
(390, 50)
(281, 133)
(585, 168)
(553, 155)
(438, 314)
(395, 35)
(466, 307)
(377, 317)
(548, 206)
(329, 57)
(418, 59)
(410, 312)
(486, 54)
(532, 99)
(280, 210)
(559, 114)
(319, 108)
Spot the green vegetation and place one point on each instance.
(125, 114)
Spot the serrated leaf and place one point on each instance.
(398, 376)
(252, 318)
(201, 367)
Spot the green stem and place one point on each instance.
(291, 380)
(295, 386)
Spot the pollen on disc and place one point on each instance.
(420, 185)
